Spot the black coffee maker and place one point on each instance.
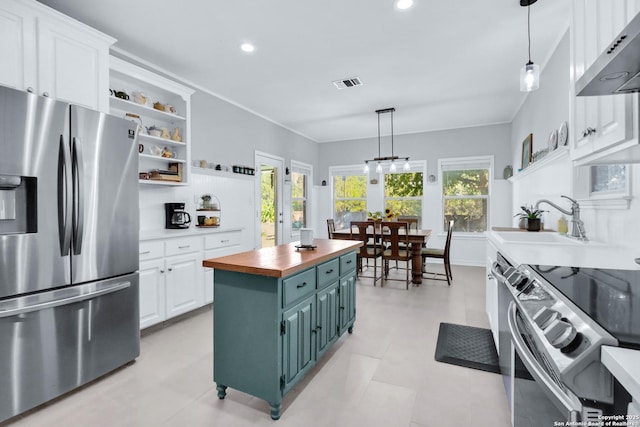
(175, 216)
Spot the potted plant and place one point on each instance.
(531, 216)
(206, 201)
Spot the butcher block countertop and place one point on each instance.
(282, 260)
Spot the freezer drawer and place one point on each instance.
(55, 341)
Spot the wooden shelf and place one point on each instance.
(557, 154)
(160, 158)
(143, 110)
(159, 182)
(161, 141)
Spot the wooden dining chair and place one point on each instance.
(395, 233)
(442, 254)
(331, 227)
(366, 232)
(413, 221)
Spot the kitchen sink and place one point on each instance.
(542, 238)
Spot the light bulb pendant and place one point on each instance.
(529, 77)
(379, 168)
(407, 166)
(366, 167)
(392, 168)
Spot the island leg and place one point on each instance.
(350, 330)
(275, 410)
(222, 391)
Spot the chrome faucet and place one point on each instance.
(578, 226)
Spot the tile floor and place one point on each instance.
(382, 375)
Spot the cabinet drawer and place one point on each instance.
(220, 240)
(347, 263)
(328, 272)
(298, 286)
(183, 245)
(150, 250)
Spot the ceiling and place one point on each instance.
(441, 64)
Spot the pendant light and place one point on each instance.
(392, 158)
(530, 73)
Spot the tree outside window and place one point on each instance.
(465, 191)
(350, 199)
(403, 193)
(298, 201)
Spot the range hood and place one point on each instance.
(617, 69)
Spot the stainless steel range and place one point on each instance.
(558, 319)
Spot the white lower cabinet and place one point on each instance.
(491, 296)
(184, 278)
(152, 292)
(172, 278)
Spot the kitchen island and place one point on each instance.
(277, 310)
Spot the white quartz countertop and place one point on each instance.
(624, 364)
(187, 232)
(570, 254)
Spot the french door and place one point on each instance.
(269, 209)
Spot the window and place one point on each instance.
(300, 178)
(349, 195)
(608, 179)
(403, 193)
(465, 193)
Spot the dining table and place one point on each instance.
(417, 239)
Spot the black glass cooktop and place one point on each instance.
(610, 297)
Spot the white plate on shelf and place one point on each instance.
(563, 134)
(553, 140)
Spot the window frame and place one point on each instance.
(471, 162)
(307, 170)
(348, 170)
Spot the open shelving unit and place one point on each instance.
(132, 79)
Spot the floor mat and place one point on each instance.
(467, 346)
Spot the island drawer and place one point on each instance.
(299, 286)
(328, 272)
(347, 263)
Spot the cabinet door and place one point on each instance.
(184, 283)
(595, 24)
(17, 46)
(347, 301)
(152, 292)
(73, 65)
(327, 318)
(299, 341)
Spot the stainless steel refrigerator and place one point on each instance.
(68, 248)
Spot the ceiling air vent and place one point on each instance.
(347, 83)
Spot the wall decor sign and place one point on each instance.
(527, 144)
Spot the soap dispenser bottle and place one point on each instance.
(563, 226)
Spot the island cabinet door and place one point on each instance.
(347, 302)
(299, 341)
(327, 326)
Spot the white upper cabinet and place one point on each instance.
(53, 55)
(598, 122)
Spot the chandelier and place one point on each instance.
(382, 159)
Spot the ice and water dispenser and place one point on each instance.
(18, 213)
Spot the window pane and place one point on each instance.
(298, 185)
(298, 214)
(465, 182)
(352, 186)
(403, 184)
(470, 215)
(349, 210)
(608, 178)
(406, 207)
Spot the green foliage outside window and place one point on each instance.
(268, 197)
(350, 194)
(298, 200)
(466, 199)
(403, 193)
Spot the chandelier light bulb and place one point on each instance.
(366, 167)
(392, 168)
(406, 166)
(379, 168)
(529, 77)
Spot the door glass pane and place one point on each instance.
(298, 201)
(268, 205)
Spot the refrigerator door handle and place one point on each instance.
(64, 198)
(78, 191)
(70, 296)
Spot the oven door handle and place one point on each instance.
(496, 273)
(570, 403)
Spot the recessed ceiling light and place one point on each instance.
(403, 4)
(247, 47)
